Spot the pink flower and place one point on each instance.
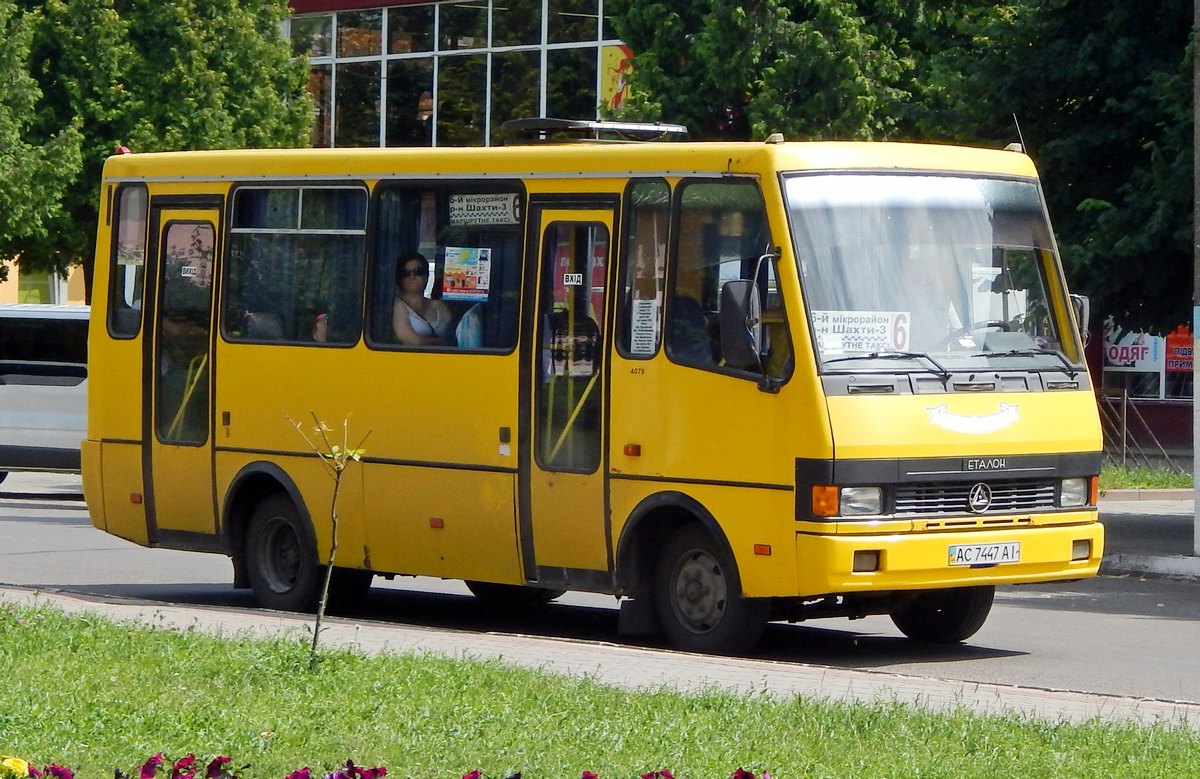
(56, 771)
(216, 767)
(663, 774)
(150, 767)
(33, 772)
(588, 775)
(184, 768)
(476, 774)
(303, 773)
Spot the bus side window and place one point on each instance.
(471, 235)
(297, 256)
(723, 237)
(647, 219)
(128, 273)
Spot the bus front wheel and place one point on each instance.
(945, 616)
(698, 599)
(281, 557)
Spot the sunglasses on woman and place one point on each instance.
(415, 272)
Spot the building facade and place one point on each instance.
(450, 73)
(41, 286)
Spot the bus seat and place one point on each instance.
(264, 326)
(688, 338)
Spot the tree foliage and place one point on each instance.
(33, 175)
(726, 69)
(1102, 92)
(154, 76)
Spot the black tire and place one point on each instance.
(945, 616)
(699, 600)
(281, 557)
(513, 595)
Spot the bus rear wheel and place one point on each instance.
(699, 600)
(281, 557)
(945, 616)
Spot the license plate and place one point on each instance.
(985, 554)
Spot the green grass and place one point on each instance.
(95, 696)
(1116, 477)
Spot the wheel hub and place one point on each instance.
(700, 592)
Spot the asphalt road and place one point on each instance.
(1133, 636)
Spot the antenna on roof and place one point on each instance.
(1020, 136)
(545, 129)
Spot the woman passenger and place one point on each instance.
(417, 320)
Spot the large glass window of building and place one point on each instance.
(451, 73)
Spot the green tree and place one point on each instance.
(155, 76)
(33, 176)
(806, 68)
(1102, 92)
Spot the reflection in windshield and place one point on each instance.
(944, 268)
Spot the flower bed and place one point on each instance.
(221, 767)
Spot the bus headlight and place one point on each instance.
(855, 501)
(1074, 492)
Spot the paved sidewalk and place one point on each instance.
(1149, 532)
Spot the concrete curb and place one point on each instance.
(1158, 565)
(1147, 494)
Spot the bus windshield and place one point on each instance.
(929, 273)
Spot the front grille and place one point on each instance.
(953, 498)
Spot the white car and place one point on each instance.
(43, 386)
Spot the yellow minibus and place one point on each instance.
(727, 383)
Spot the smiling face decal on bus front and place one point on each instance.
(975, 425)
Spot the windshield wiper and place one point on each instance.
(938, 368)
(1071, 370)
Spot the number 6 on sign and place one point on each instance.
(900, 332)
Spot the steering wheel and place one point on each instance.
(975, 327)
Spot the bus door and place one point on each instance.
(563, 517)
(178, 429)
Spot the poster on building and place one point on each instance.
(468, 273)
(838, 332)
(1132, 350)
(1179, 350)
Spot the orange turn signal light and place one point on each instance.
(1094, 491)
(825, 500)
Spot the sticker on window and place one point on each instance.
(645, 327)
(838, 332)
(497, 208)
(468, 274)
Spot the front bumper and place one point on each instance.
(920, 560)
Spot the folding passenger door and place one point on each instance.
(563, 516)
(178, 404)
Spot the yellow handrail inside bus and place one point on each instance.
(194, 372)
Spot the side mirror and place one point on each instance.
(741, 324)
(1083, 314)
